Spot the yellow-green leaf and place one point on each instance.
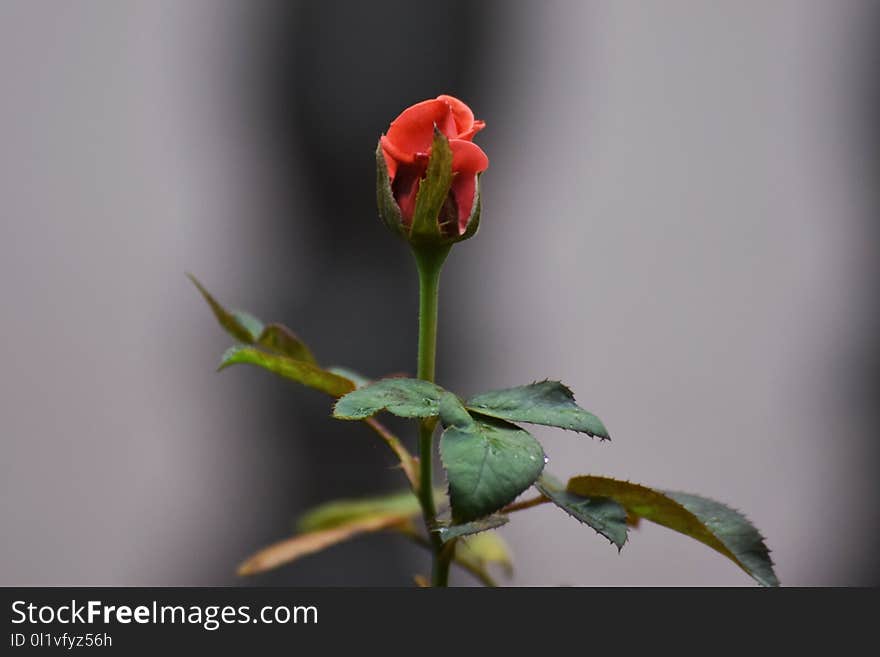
(295, 370)
(341, 512)
(723, 529)
(358, 379)
(238, 324)
(291, 549)
(479, 551)
(246, 328)
(294, 360)
(281, 340)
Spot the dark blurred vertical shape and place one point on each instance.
(327, 79)
(867, 393)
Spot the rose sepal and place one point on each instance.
(389, 211)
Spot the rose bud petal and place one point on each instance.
(425, 195)
(468, 160)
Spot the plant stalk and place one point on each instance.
(429, 261)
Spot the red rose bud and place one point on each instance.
(428, 172)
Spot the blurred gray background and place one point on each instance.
(679, 222)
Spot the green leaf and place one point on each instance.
(411, 398)
(546, 402)
(293, 359)
(721, 528)
(248, 329)
(281, 340)
(452, 413)
(238, 324)
(433, 192)
(735, 531)
(343, 512)
(488, 462)
(295, 370)
(473, 527)
(603, 514)
(478, 551)
(359, 380)
(252, 325)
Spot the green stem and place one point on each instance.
(429, 261)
